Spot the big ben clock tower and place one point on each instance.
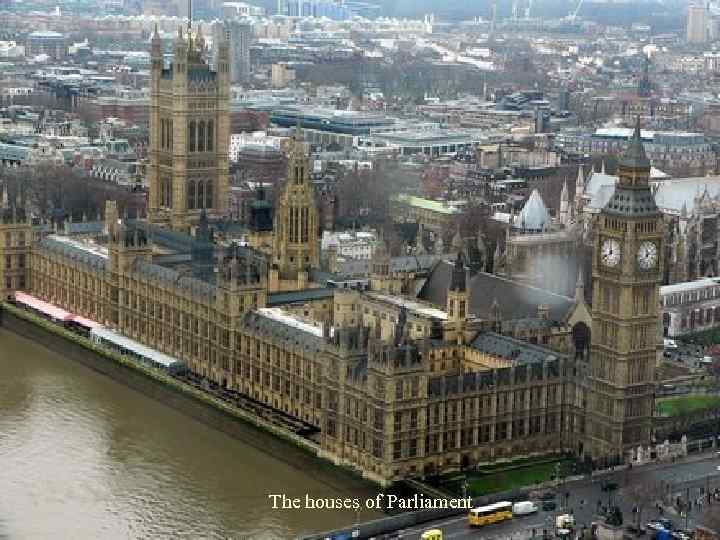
(627, 270)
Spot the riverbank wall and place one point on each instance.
(201, 406)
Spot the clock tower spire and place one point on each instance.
(627, 270)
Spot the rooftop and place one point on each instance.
(412, 306)
(520, 352)
(277, 314)
(689, 285)
(443, 207)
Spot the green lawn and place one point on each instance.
(687, 404)
(496, 479)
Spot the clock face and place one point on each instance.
(610, 252)
(647, 255)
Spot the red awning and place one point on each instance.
(48, 309)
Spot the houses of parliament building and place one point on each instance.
(393, 385)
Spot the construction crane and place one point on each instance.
(572, 16)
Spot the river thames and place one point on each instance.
(84, 457)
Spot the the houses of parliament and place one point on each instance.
(473, 368)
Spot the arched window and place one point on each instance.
(169, 193)
(191, 136)
(201, 136)
(191, 195)
(200, 195)
(209, 194)
(210, 135)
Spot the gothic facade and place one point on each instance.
(627, 273)
(189, 133)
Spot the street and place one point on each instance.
(692, 476)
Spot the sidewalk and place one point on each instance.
(653, 466)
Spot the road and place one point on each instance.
(693, 476)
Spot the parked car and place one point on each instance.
(549, 506)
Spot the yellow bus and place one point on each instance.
(493, 513)
(432, 534)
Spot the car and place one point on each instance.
(667, 524)
(654, 526)
(549, 506)
(680, 535)
(524, 508)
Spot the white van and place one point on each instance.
(523, 508)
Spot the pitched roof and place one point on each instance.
(516, 300)
(518, 351)
(534, 215)
(634, 156)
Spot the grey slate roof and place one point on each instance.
(408, 263)
(291, 297)
(516, 300)
(170, 277)
(631, 202)
(512, 349)
(93, 260)
(291, 336)
(85, 227)
(634, 155)
(529, 323)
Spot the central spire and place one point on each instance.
(635, 157)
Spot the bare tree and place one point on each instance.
(641, 493)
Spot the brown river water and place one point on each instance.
(84, 457)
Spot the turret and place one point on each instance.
(579, 191)
(458, 302)
(128, 244)
(156, 54)
(15, 244)
(565, 205)
(111, 217)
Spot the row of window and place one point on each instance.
(201, 136)
(15, 239)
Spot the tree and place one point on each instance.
(641, 492)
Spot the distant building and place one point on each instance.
(53, 44)
(231, 10)
(697, 24)
(692, 306)
(326, 126)
(680, 152)
(439, 216)
(282, 75)
(352, 244)
(239, 35)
